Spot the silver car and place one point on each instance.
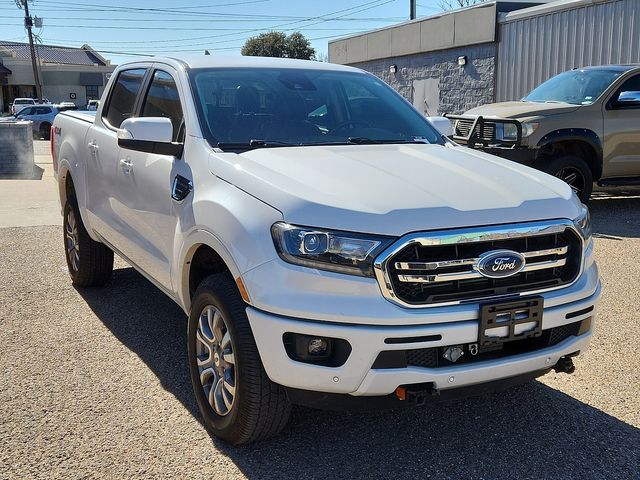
(42, 117)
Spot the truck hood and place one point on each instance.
(394, 189)
(521, 109)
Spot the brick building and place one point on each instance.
(493, 51)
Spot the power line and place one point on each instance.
(321, 19)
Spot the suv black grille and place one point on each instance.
(486, 131)
(423, 275)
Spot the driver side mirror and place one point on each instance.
(628, 99)
(150, 135)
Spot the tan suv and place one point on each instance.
(582, 126)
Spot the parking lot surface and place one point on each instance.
(94, 384)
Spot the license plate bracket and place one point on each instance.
(503, 322)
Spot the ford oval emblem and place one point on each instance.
(500, 263)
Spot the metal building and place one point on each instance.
(494, 51)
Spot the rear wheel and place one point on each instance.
(90, 263)
(237, 400)
(45, 131)
(575, 172)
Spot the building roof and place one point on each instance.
(53, 54)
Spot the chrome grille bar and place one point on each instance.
(449, 277)
(471, 261)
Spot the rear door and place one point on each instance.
(622, 134)
(103, 156)
(144, 182)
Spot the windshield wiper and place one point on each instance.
(371, 141)
(255, 143)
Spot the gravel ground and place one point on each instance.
(94, 383)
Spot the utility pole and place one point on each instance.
(412, 9)
(28, 23)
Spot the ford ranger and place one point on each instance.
(581, 126)
(330, 247)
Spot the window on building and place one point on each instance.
(163, 101)
(92, 92)
(123, 96)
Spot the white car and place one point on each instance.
(20, 103)
(92, 105)
(326, 242)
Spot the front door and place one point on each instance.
(144, 184)
(622, 134)
(103, 156)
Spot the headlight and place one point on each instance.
(583, 223)
(509, 131)
(343, 252)
(528, 128)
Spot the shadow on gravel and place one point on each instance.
(531, 431)
(616, 213)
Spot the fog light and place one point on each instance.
(317, 346)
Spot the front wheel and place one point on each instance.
(237, 400)
(573, 171)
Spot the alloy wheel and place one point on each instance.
(573, 177)
(72, 240)
(216, 361)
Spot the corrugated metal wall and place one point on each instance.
(533, 49)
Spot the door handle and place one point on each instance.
(93, 146)
(126, 165)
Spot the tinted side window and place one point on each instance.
(163, 101)
(43, 110)
(123, 96)
(631, 85)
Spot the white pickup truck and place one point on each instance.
(329, 246)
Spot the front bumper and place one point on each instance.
(356, 376)
(522, 155)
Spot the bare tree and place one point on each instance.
(453, 4)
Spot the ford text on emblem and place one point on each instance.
(500, 263)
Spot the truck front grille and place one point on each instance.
(485, 131)
(440, 268)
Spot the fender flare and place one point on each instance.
(191, 243)
(583, 135)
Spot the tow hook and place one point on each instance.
(418, 394)
(565, 365)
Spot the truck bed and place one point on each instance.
(84, 115)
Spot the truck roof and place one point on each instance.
(215, 61)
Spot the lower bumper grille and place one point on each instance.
(433, 357)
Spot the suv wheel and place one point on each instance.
(45, 131)
(575, 172)
(237, 400)
(90, 263)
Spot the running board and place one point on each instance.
(618, 181)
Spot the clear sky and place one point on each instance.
(118, 29)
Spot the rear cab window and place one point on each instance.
(122, 98)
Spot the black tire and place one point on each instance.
(574, 171)
(45, 131)
(260, 408)
(90, 263)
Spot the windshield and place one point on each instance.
(24, 102)
(579, 87)
(254, 107)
